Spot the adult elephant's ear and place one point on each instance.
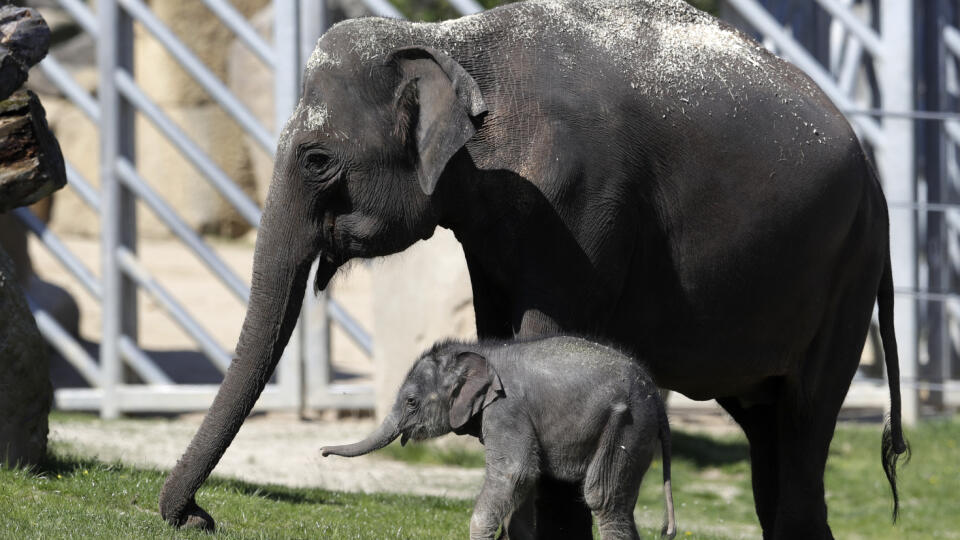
(436, 101)
(478, 386)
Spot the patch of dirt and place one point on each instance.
(273, 448)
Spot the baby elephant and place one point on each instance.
(561, 406)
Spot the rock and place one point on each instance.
(24, 38)
(25, 390)
(31, 166)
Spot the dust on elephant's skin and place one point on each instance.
(631, 170)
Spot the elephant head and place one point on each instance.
(355, 173)
(441, 393)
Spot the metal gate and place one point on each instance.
(303, 376)
(891, 67)
(867, 55)
(303, 379)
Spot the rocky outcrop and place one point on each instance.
(25, 391)
(31, 167)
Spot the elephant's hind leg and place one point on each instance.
(808, 408)
(614, 474)
(759, 423)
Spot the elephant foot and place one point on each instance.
(192, 517)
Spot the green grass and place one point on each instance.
(429, 453)
(70, 497)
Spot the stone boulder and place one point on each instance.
(25, 391)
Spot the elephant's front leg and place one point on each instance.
(512, 464)
(501, 494)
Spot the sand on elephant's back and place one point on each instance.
(657, 45)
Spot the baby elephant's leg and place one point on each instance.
(511, 475)
(613, 477)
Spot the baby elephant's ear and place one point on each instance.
(478, 386)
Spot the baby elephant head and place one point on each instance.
(442, 392)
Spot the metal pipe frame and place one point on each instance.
(118, 218)
(63, 343)
(210, 170)
(82, 14)
(865, 35)
(166, 214)
(62, 79)
(383, 8)
(141, 363)
(757, 16)
(61, 252)
(237, 23)
(200, 73)
(88, 194)
(131, 267)
(353, 329)
(951, 37)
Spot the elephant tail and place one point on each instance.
(893, 444)
(669, 522)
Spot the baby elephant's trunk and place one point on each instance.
(384, 435)
(670, 522)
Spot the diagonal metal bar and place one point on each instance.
(200, 73)
(382, 8)
(61, 252)
(866, 35)
(238, 24)
(951, 37)
(852, 57)
(82, 14)
(130, 266)
(87, 192)
(952, 128)
(141, 363)
(466, 7)
(352, 327)
(63, 342)
(137, 184)
(757, 16)
(218, 179)
(62, 79)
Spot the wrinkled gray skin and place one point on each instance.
(627, 170)
(561, 407)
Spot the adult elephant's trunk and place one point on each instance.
(284, 252)
(384, 435)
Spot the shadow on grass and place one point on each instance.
(706, 451)
(277, 493)
(55, 464)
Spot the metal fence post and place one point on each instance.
(314, 320)
(118, 225)
(286, 45)
(896, 164)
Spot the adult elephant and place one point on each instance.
(634, 171)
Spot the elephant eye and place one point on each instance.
(315, 164)
(411, 402)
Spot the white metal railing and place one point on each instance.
(889, 131)
(304, 373)
(305, 366)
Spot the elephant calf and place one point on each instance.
(561, 406)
